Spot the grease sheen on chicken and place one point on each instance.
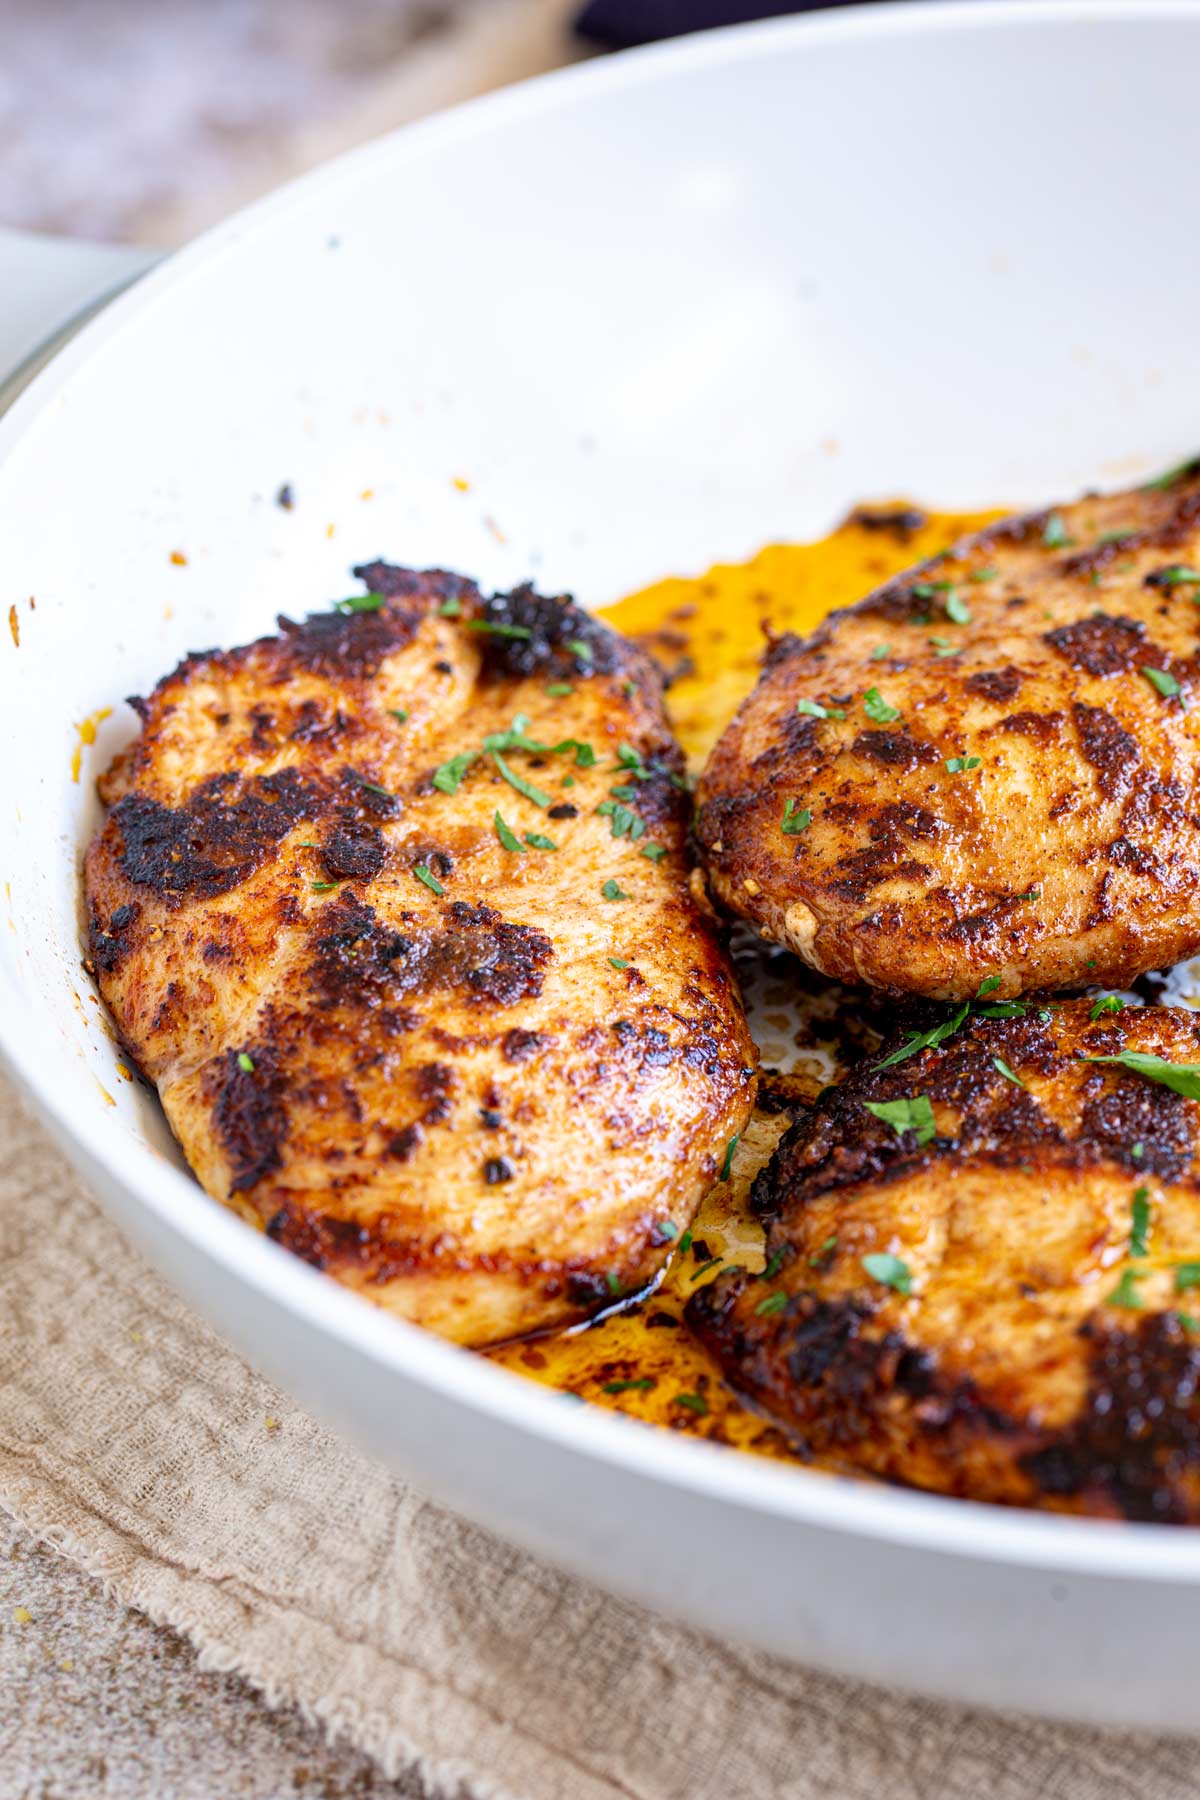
(1024, 1327)
(393, 909)
(998, 754)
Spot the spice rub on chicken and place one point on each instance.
(981, 1256)
(393, 910)
(987, 767)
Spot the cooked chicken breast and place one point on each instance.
(987, 767)
(979, 1265)
(393, 910)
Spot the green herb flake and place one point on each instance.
(880, 652)
(558, 690)
(883, 1267)
(1054, 535)
(580, 649)
(1187, 1276)
(730, 1147)
(498, 629)
(530, 791)
(685, 1243)
(399, 712)
(655, 852)
(987, 573)
(794, 821)
(821, 1257)
(877, 708)
(613, 1283)
(1107, 1003)
(1125, 1293)
(424, 873)
(1177, 575)
(772, 1304)
(360, 603)
(667, 1228)
(618, 962)
(987, 986)
(914, 1113)
(450, 609)
(1139, 1227)
(1004, 1009)
(507, 835)
(611, 891)
(629, 688)
(694, 1402)
(322, 887)
(773, 1267)
(1169, 477)
(1162, 682)
(448, 778)
(642, 1385)
(1137, 1151)
(928, 1040)
(704, 1268)
(537, 841)
(814, 710)
(245, 1062)
(957, 610)
(962, 765)
(373, 787)
(1188, 1322)
(1181, 1078)
(1002, 1068)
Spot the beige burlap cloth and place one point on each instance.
(141, 1446)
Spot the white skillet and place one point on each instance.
(657, 312)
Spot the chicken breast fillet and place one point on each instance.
(979, 1266)
(393, 910)
(987, 767)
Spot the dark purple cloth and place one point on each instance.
(621, 23)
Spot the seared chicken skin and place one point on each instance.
(393, 910)
(980, 1264)
(987, 767)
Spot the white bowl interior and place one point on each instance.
(655, 315)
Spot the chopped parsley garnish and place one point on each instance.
(654, 851)
(1170, 477)
(359, 603)
(962, 765)
(1125, 1293)
(399, 712)
(666, 1228)
(1054, 536)
(1139, 1226)
(880, 651)
(451, 608)
(628, 688)
(773, 1267)
(373, 787)
(245, 1063)
(877, 708)
(618, 962)
(322, 887)
(772, 1304)
(987, 986)
(623, 793)
(928, 1040)
(582, 650)
(957, 610)
(498, 629)
(704, 1268)
(1181, 1078)
(612, 1282)
(824, 1253)
(611, 891)
(558, 690)
(999, 1064)
(624, 822)
(537, 841)
(814, 710)
(1107, 1003)
(943, 647)
(1188, 1322)
(1187, 1276)
(424, 873)
(1005, 1009)
(1177, 575)
(517, 738)
(685, 1243)
(730, 1147)
(1137, 1151)
(448, 777)
(882, 1266)
(1164, 683)
(507, 836)
(642, 1385)
(794, 821)
(987, 573)
(694, 1402)
(913, 1113)
(536, 794)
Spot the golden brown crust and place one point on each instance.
(481, 1084)
(1070, 852)
(1046, 1354)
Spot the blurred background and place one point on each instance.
(133, 122)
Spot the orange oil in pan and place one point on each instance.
(708, 634)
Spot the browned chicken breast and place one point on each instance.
(393, 909)
(981, 1257)
(987, 767)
